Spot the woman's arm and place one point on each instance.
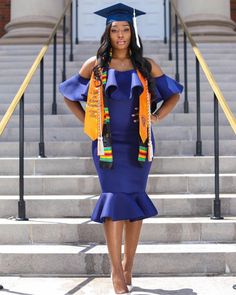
(168, 105)
(75, 106)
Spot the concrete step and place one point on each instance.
(81, 206)
(70, 70)
(143, 284)
(26, 64)
(147, 44)
(72, 67)
(33, 88)
(80, 58)
(82, 230)
(8, 77)
(33, 108)
(89, 184)
(169, 67)
(160, 43)
(17, 78)
(160, 58)
(83, 148)
(69, 120)
(151, 258)
(85, 165)
(8, 69)
(12, 78)
(82, 55)
(32, 98)
(160, 133)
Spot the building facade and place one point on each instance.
(4, 15)
(25, 19)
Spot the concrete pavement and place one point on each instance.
(215, 285)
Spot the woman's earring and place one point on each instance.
(130, 52)
(110, 53)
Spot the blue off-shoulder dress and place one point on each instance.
(123, 187)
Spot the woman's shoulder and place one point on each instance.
(87, 67)
(156, 70)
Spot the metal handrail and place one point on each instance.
(218, 97)
(215, 87)
(19, 98)
(6, 118)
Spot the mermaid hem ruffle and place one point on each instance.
(123, 206)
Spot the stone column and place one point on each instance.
(207, 17)
(33, 18)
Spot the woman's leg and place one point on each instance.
(131, 237)
(113, 233)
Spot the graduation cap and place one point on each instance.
(121, 12)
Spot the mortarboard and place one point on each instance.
(121, 12)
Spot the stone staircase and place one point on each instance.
(62, 189)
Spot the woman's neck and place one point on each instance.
(121, 60)
(120, 54)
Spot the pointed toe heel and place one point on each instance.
(130, 287)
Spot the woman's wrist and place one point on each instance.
(156, 115)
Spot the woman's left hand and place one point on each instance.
(154, 119)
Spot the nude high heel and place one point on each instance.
(123, 293)
(130, 287)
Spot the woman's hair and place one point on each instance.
(139, 62)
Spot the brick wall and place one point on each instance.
(233, 9)
(4, 15)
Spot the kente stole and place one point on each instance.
(97, 120)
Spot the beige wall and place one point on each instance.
(33, 18)
(36, 18)
(207, 17)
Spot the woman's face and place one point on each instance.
(120, 34)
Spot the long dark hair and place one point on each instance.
(139, 62)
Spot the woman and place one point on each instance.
(121, 88)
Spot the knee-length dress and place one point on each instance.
(123, 187)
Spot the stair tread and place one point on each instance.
(142, 248)
(89, 196)
(83, 220)
(96, 176)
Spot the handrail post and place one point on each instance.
(21, 202)
(176, 49)
(54, 104)
(217, 203)
(199, 141)
(186, 104)
(165, 35)
(71, 32)
(170, 32)
(64, 50)
(41, 143)
(77, 26)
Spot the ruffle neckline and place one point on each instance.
(76, 88)
(165, 85)
(136, 86)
